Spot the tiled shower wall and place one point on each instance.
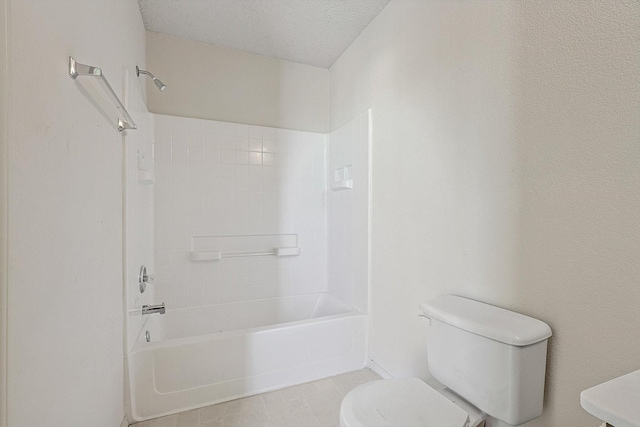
(225, 179)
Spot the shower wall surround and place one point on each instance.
(348, 212)
(138, 209)
(228, 179)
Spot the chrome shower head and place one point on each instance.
(161, 86)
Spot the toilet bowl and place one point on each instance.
(405, 403)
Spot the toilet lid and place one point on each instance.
(399, 403)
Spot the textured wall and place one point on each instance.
(505, 168)
(4, 89)
(578, 73)
(65, 296)
(211, 82)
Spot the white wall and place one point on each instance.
(4, 89)
(216, 83)
(65, 294)
(505, 168)
(348, 213)
(230, 179)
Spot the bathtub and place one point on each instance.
(205, 355)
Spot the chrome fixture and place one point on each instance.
(147, 335)
(144, 279)
(77, 69)
(156, 82)
(150, 309)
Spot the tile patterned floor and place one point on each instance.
(315, 404)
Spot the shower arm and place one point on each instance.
(139, 71)
(161, 86)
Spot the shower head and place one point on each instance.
(156, 81)
(159, 84)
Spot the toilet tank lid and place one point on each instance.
(487, 320)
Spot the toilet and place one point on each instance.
(490, 361)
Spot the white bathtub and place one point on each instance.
(205, 355)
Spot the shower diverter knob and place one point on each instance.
(144, 279)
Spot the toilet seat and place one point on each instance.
(399, 403)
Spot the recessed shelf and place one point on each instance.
(342, 179)
(215, 248)
(197, 256)
(342, 185)
(145, 177)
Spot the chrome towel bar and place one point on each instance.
(78, 70)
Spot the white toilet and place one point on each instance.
(491, 360)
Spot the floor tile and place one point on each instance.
(188, 419)
(168, 421)
(326, 409)
(251, 417)
(347, 382)
(232, 407)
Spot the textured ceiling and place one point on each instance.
(313, 32)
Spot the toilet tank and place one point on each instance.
(494, 358)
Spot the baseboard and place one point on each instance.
(379, 370)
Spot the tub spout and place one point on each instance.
(150, 309)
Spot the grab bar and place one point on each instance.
(244, 254)
(217, 255)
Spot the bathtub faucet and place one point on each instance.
(150, 309)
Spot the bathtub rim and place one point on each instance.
(141, 345)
